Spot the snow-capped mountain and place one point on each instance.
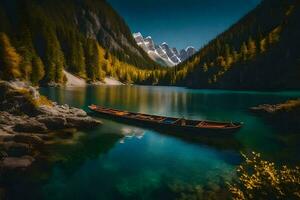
(162, 53)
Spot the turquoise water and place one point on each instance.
(118, 161)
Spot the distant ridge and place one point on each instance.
(260, 51)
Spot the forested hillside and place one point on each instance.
(38, 39)
(261, 51)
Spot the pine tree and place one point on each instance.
(205, 67)
(102, 62)
(26, 50)
(263, 45)
(25, 66)
(251, 47)
(9, 59)
(77, 64)
(92, 60)
(244, 52)
(60, 64)
(235, 56)
(54, 58)
(228, 56)
(38, 71)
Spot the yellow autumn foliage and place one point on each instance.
(260, 180)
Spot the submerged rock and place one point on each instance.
(16, 149)
(32, 139)
(10, 163)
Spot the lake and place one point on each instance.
(118, 161)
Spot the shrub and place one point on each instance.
(260, 179)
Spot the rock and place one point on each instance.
(26, 126)
(5, 118)
(29, 139)
(16, 149)
(17, 97)
(30, 126)
(47, 111)
(10, 163)
(65, 134)
(284, 116)
(53, 122)
(60, 117)
(4, 136)
(79, 122)
(53, 84)
(265, 108)
(78, 112)
(45, 137)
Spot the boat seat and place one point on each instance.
(201, 124)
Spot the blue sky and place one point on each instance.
(182, 23)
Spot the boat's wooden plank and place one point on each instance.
(167, 121)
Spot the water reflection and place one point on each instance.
(180, 102)
(131, 132)
(57, 164)
(152, 165)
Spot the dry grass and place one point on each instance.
(289, 106)
(41, 101)
(44, 101)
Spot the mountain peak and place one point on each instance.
(189, 47)
(162, 53)
(138, 34)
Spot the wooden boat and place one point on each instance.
(171, 124)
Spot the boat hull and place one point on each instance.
(170, 128)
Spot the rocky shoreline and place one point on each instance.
(29, 121)
(284, 115)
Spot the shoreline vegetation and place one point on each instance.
(29, 121)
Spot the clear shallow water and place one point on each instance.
(100, 164)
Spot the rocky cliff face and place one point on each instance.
(92, 27)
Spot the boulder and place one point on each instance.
(17, 97)
(49, 111)
(78, 112)
(5, 118)
(10, 163)
(264, 109)
(30, 126)
(6, 137)
(29, 139)
(16, 149)
(53, 122)
(81, 123)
